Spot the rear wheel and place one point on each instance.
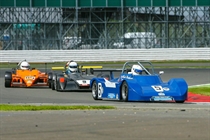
(95, 90)
(124, 91)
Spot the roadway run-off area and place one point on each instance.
(133, 120)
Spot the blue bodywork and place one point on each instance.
(149, 87)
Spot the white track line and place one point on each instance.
(202, 85)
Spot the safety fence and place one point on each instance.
(105, 55)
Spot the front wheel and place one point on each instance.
(54, 82)
(95, 91)
(52, 85)
(7, 83)
(124, 91)
(49, 79)
(57, 84)
(8, 79)
(49, 84)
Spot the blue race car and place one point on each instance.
(139, 82)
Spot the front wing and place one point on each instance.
(73, 85)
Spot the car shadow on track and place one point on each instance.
(29, 87)
(149, 102)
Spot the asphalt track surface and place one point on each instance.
(132, 120)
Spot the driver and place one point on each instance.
(136, 70)
(24, 65)
(72, 67)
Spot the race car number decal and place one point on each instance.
(100, 90)
(30, 78)
(158, 88)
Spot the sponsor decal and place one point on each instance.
(126, 77)
(29, 78)
(161, 98)
(29, 82)
(161, 94)
(111, 95)
(166, 89)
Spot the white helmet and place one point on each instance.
(24, 65)
(73, 67)
(67, 64)
(136, 70)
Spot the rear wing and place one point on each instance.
(111, 74)
(107, 70)
(80, 67)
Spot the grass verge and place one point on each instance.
(202, 90)
(6, 107)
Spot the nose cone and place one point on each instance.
(29, 80)
(29, 83)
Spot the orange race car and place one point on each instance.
(23, 76)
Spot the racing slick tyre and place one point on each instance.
(54, 82)
(49, 79)
(57, 86)
(53, 85)
(49, 84)
(57, 82)
(124, 92)
(7, 83)
(8, 79)
(95, 91)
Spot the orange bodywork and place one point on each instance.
(29, 78)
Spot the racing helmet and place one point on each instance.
(24, 65)
(136, 70)
(73, 67)
(67, 64)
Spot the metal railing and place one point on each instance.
(105, 55)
